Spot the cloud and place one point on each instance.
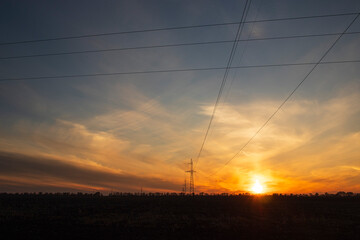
(148, 138)
(299, 150)
(22, 170)
(75, 142)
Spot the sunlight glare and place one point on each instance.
(257, 188)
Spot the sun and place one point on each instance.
(257, 188)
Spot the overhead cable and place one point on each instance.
(171, 45)
(172, 70)
(167, 29)
(226, 73)
(288, 97)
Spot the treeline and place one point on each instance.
(157, 194)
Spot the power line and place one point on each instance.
(169, 28)
(173, 70)
(288, 97)
(116, 49)
(223, 82)
(243, 51)
(172, 45)
(242, 54)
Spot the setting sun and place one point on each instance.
(257, 188)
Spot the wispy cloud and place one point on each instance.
(22, 170)
(305, 138)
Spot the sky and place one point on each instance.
(127, 132)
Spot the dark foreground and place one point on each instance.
(179, 217)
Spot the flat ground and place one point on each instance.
(179, 217)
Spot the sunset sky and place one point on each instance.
(127, 132)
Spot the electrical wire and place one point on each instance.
(287, 98)
(223, 82)
(168, 29)
(172, 70)
(171, 45)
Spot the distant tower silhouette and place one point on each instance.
(192, 180)
(184, 188)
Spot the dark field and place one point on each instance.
(179, 217)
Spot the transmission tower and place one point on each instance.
(184, 187)
(192, 180)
